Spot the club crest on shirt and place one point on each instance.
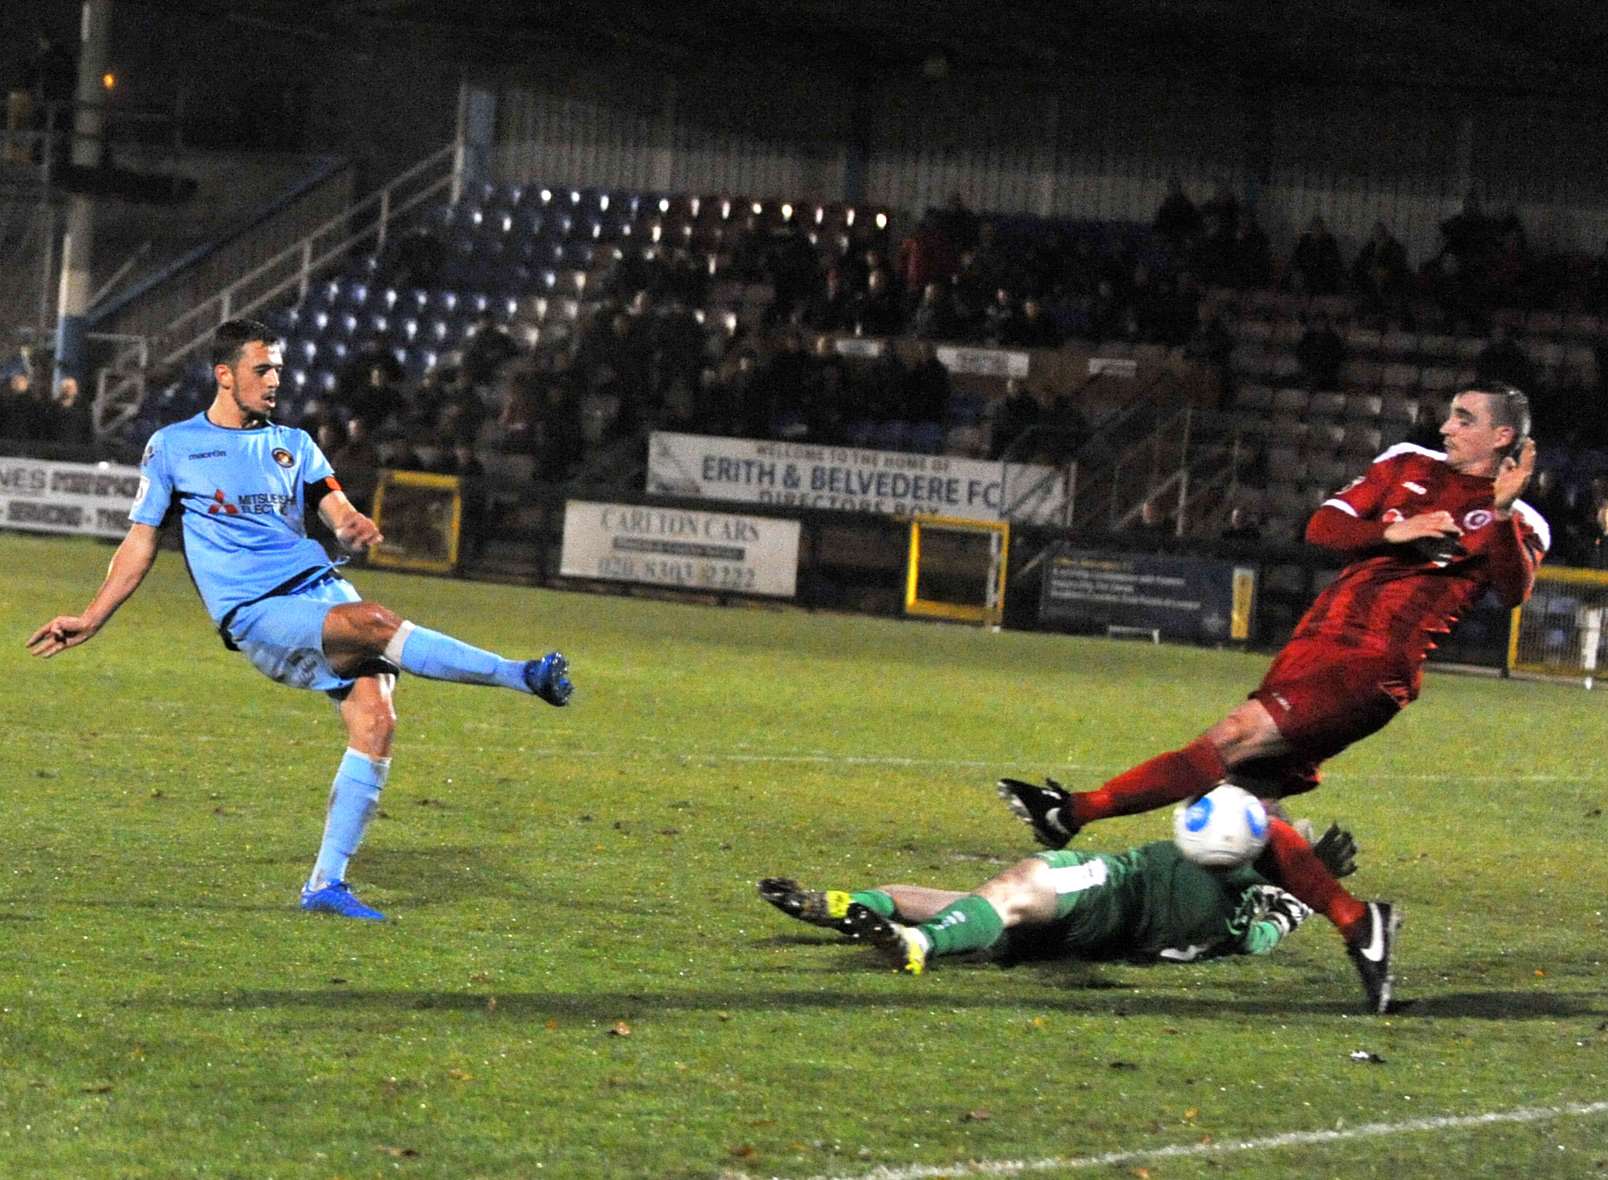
(1477, 519)
(283, 457)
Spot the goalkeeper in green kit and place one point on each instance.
(1146, 904)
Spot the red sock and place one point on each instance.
(1289, 862)
(1166, 778)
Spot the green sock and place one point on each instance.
(875, 900)
(970, 924)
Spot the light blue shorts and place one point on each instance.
(283, 636)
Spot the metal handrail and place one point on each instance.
(300, 263)
(223, 303)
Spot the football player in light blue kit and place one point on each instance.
(242, 486)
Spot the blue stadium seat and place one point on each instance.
(891, 435)
(926, 438)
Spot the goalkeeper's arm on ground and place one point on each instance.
(1268, 915)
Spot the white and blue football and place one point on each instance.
(1226, 826)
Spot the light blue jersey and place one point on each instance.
(241, 497)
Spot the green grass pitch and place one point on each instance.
(579, 980)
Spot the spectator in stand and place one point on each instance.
(832, 399)
(558, 441)
(1253, 257)
(934, 317)
(1503, 360)
(793, 268)
(21, 415)
(926, 388)
(1177, 220)
(460, 460)
(401, 453)
(1154, 529)
(1242, 527)
(676, 339)
(70, 420)
(1212, 344)
(1316, 258)
(368, 385)
(1380, 274)
(1320, 352)
(1567, 511)
(489, 347)
(1108, 313)
(1224, 208)
(359, 461)
(1066, 429)
(970, 295)
(1469, 236)
(1033, 328)
(877, 312)
(831, 308)
(1211, 256)
(784, 385)
(962, 225)
(928, 254)
(1018, 412)
(880, 387)
(998, 317)
(418, 259)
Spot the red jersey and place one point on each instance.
(1395, 599)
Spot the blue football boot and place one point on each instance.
(337, 898)
(548, 678)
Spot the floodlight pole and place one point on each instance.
(78, 239)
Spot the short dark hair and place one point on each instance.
(1509, 405)
(232, 337)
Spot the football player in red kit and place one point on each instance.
(1427, 533)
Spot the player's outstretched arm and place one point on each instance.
(1513, 476)
(352, 529)
(130, 564)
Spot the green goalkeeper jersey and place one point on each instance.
(1149, 903)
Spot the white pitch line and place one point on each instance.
(1002, 763)
(1526, 1114)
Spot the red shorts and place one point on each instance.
(1323, 697)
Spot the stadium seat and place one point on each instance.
(1290, 401)
(891, 435)
(1437, 347)
(1399, 376)
(1398, 344)
(1363, 406)
(1361, 441)
(1330, 471)
(1363, 340)
(1255, 398)
(926, 438)
(1398, 408)
(1437, 378)
(1543, 323)
(1324, 437)
(1582, 325)
(1327, 404)
(1360, 374)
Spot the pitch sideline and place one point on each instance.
(1524, 1114)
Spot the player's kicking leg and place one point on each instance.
(359, 631)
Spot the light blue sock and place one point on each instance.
(353, 800)
(431, 654)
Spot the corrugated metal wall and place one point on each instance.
(1095, 148)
